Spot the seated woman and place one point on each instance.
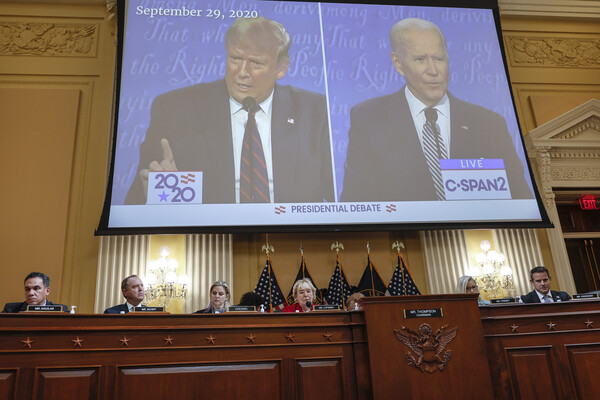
(304, 293)
(219, 299)
(466, 284)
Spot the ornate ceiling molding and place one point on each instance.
(576, 9)
(48, 39)
(553, 51)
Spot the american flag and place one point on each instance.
(402, 283)
(302, 274)
(339, 289)
(269, 289)
(371, 283)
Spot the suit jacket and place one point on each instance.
(117, 309)
(197, 122)
(556, 295)
(385, 161)
(18, 307)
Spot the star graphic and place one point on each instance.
(27, 342)
(163, 196)
(551, 326)
(327, 336)
(589, 324)
(250, 338)
(77, 342)
(168, 340)
(514, 327)
(124, 341)
(290, 337)
(211, 339)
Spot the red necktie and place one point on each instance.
(254, 181)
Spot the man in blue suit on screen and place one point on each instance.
(395, 141)
(204, 128)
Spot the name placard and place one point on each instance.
(326, 307)
(424, 313)
(585, 296)
(174, 187)
(505, 300)
(475, 179)
(241, 308)
(148, 309)
(44, 308)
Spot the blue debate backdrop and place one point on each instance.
(339, 50)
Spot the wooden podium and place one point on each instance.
(427, 347)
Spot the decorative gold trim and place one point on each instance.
(553, 51)
(48, 39)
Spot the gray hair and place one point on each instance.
(304, 282)
(461, 286)
(410, 25)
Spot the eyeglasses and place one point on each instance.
(471, 288)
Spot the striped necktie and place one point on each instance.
(434, 150)
(254, 181)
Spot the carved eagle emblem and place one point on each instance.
(426, 347)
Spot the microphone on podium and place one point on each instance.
(309, 304)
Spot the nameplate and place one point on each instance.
(475, 179)
(148, 309)
(502, 301)
(175, 187)
(326, 307)
(45, 308)
(424, 313)
(585, 296)
(241, 308)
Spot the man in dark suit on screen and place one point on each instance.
(132, 288)
(37, 288)
(541, 281)
(202, 127)
(389, 145)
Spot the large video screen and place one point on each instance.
(272, 115)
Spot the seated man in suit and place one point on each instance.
(254, 141)
(133, 291)
(396, 141)
(37, 288)
(540, 279)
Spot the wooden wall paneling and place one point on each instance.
(66, 383)
(7, 383)
(531, 373)
(584, 361)
(253, 380)
(320, 378)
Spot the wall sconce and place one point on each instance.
(493, 276)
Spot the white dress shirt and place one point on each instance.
(417, 110)
(239, 116)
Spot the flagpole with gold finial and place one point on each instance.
(302, 260)
(370, 268)
(397, 245)
(267, 248)
(337, 246)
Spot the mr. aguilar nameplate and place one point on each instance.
(475, 179)
(424, 313)
(45, 308)
(148, 309)
(174, 187)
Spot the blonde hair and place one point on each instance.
(461, 286)
(304, 282)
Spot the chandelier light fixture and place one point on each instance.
(492, 275)
(162, 282)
